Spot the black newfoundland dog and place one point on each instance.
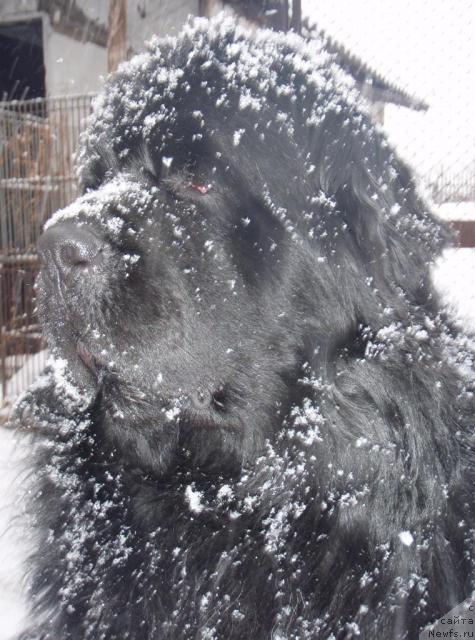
(257, 424)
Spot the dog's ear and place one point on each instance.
(377, 214)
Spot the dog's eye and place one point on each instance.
(201, 188)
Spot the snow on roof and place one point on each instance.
(382, 89)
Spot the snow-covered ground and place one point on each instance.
(454, 273)
(31, 365)
(454, 277)
(456, 210)
(12, 546)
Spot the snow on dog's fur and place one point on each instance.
(256, 423)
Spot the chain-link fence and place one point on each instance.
(37, 143)
(452, 187)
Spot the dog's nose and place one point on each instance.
(69, 247)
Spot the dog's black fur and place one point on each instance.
(272, 437)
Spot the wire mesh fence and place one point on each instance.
(452, 187)
(38, 139)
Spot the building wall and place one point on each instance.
(11, 8)
(71, 66)
(74, 67)
(146, 18)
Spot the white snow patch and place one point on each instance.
(455, 210)
(237, 137)
(406, 538)
(13, 548)
(115, 224)
(121, 193)
(194, 499)
(173, 413)
(225, 492)
(453, 275)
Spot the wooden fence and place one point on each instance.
(38, 139)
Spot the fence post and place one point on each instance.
(296, 22)
(117, 37)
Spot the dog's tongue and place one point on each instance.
(86, 356)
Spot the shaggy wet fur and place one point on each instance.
(256, 425)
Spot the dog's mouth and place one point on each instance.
(91, 362)
(86, 356)
(198, 432)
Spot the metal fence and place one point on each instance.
(452, 187)
(38, 139)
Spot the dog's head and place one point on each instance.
(241, 221)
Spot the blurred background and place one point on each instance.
(413, 62)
